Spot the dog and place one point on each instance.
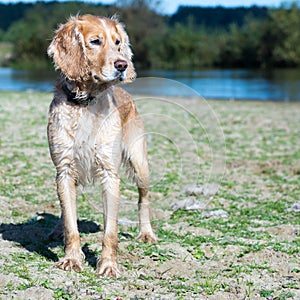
(93, 127)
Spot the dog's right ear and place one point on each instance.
(67, 52)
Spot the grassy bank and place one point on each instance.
(250, 252)
(6, 50)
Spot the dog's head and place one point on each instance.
(91, 48)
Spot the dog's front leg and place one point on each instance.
(66, 190)
(107, 263)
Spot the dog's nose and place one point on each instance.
(121, 65)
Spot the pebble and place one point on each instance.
(220, 213)
(208, 189)
(188, 204)
(295, 207)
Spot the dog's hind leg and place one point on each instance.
(135, 155)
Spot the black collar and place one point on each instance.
(71, 96)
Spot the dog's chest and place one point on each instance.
(97, 141)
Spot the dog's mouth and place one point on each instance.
(122, 76)
(116, 77)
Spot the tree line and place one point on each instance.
(192, 38)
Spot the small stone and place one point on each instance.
(208, 189)
(193, 190)
(220, 213)
(188, 204)
(126, 221)
(295, 207)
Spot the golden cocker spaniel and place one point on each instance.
(93, 127)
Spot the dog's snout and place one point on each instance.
(121, 65)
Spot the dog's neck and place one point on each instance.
(75, 97)
(82, 93)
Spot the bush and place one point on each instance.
(258, 42)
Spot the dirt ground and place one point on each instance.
(239, 240)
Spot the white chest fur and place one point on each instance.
(86, 140)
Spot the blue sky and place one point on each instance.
(170, 6)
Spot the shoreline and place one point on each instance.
(242, 100)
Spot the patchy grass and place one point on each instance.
(252, 254)
(6, 50)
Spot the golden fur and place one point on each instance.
(92, 127)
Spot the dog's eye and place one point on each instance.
(118, 42)
(96, 42)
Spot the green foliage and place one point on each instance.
(10, 13)
(282, 35)
(217, 17)
(31, 35)
(190, 39)
(183, 47)
(143, 25)
(240, 46)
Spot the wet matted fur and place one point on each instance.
(94, 126)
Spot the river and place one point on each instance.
(240, 84)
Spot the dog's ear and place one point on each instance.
(67, 51)
(126, 52)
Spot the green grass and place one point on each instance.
(196, 257)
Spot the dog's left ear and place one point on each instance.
(125, 50)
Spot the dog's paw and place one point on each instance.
(69, 264)
(108, 268)
(147, 237)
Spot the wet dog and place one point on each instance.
(93, 127)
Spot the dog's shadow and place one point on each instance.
(33, 235)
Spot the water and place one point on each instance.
(21, 80)
(278, 85)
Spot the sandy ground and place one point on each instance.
(243, 156)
